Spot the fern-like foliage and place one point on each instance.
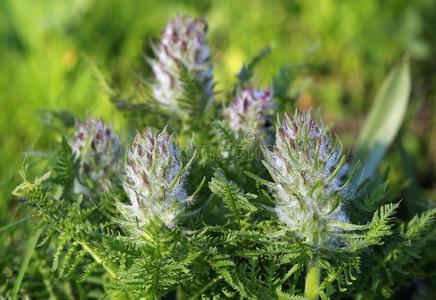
(156, 267)
(194, 101)
(65, 170)
(237, 203)
(401, 258)
(374, 232)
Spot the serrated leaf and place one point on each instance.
(233, 198)
(66, 166)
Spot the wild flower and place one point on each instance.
(153, 180)
(183, 48)
(230, 247)
(310, 177)
(250, 111)
(98, 150)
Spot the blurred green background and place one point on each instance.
(49, 48)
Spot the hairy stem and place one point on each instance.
(312, 280)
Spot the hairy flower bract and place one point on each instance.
(98, 150)
(309, 173)
(153, 179)
(250, 110)
(182, 48)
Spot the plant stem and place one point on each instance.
(312, 280)
(98, 259)
(206, 287)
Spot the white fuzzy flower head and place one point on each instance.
(308, 169)
(182, 47)
(98, 150)
(153, 179)
(250, 111)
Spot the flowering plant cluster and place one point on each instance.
(138, 221)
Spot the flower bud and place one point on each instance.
(183, 46)
(98, 150)
(153, 179)
(308, 169)
(250, 110)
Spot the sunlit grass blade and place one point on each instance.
(29, 252)
(384, 119)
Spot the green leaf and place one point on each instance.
(233, 198)
(246, 71)
(384, 120)
(194, 100)
(419, 224)
(282, 82)
(379, 227)
(29, 252)
(66, 166)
